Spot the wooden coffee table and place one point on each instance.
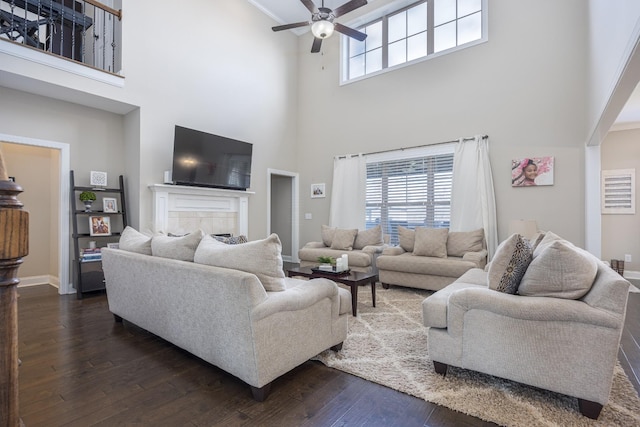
(353, 279)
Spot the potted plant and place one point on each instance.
(87, 197)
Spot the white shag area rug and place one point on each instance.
(388, 345)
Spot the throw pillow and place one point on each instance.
(182, 248)
(327, 235)
(431, 242)
(260, 257)
(548, 238)
(407, 238)
(509, 264)
(343, 239)
(461, 242)
(561, 270)
(370, 237)
(231, 240)
(133, 241)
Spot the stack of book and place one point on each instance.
(91, 255)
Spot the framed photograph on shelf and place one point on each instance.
(317, 190)
(99, 226)
(109, 204)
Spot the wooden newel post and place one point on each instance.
(14, 244)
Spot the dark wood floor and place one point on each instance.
(79, 368)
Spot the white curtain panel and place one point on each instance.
(473, 201)
(348, 193)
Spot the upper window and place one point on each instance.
(413, 33)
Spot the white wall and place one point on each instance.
(525, 88)
(224, 72)
(614, 28)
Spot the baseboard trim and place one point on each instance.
(635, 275)
(45, 279)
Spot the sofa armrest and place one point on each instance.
(478, 258)
(316, 245)
(543, 309)
(303, 294)
(393, 250)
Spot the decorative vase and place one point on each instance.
(87, 205)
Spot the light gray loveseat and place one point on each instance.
(224, 315)
(560, 332)
(362, 247)
(431, 258)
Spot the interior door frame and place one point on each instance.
(295, 208)
(65, 286)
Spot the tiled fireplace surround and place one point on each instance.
(182, 209)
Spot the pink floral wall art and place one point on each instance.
(532, 171)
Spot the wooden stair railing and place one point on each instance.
(14, 244)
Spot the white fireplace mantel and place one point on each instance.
(198, 200)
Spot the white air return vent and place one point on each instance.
(619, 191)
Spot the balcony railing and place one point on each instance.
(85, 31)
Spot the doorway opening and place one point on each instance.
(63, 165)
(283, 211)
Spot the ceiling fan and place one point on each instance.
(322, 22)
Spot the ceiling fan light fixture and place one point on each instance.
(322, 29)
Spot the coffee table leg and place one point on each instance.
(354, 299)
(373, 292)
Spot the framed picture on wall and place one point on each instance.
(109, 204)
(317, 190)
(99, 226)
(532, 171)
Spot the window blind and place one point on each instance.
(410, 192)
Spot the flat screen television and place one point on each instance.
(207, 160)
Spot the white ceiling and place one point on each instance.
(291, 11)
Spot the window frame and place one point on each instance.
(407, 155)
(383, 15)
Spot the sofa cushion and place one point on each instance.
(431, 242)
(260, 257)
(407, 238)
(327, 235)
(343, 239)
(461, 242)
(561, 270)
(452, 267)
(509, 264)
(182, 248)
(370, 237)
(134, 241)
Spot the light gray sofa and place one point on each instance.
(429, 258)
(224, 315)
(362, 247)
(563, 335)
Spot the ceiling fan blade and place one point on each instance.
(350, 32)
(310, 5)
(290, 26)
(317, 43)
(348, 7)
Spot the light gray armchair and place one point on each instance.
(569, 346)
